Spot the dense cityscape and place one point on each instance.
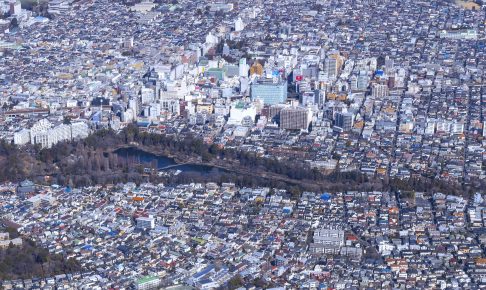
(207, 236)
(277, 101)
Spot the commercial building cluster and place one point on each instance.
(204, 236)
(387, 88)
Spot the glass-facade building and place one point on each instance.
(269, 91)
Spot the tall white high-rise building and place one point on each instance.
(58, 134)
(39, 133)
(134, 105)
(171, 105)
(362, 81)
(211, 39)
(44, 134)
(353, 81)
(148, 95)
(379, 90)
(79, 130)
(22, 137)
(239, 25)
(389, 65)
(42, 138)
(154, 111)
(243, 68)
(331, 68)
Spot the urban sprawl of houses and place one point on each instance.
(387, 88)
(203, 235)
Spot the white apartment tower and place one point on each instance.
(22, 137)
(239, 25)
(379, 90)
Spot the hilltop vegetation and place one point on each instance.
(29, 260)
(94, 161)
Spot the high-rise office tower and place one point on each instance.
(270, 91)
(379, 90)
(295, 118)
(344, 121)
(331, 67)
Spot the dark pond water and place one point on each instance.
(164, 162)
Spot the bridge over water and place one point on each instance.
(172, 166)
